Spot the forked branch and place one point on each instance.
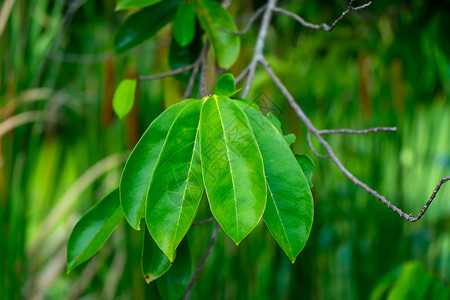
(317, 133)
(323, 26)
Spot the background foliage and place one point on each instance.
(387, 65)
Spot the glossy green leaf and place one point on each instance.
(289, 211)
(139, 167)
(176, 187)
(213, 19)
(307, 165)
(182, 56)
(175, 282)
(124, 97)
(184, 25)
(232, 166)
(153, 261)
(93, 229)
(127, 4)
(142, 25)
(225, 86)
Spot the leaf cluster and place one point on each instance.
(221, 147)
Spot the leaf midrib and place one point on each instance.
(229, 164)
(187, 181)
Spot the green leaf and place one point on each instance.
(175, 282)
(139, 167)
(153, 261)
(142, 25)
(307, 165)
(176, 187)
(289, 211)
(232, 166)
(214, 18)
(183, 56)
(184, 25)
(127, 4)
(93, 229)
(124, 97)
(225, 86)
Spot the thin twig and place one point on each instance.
(323, 26)
(197, 65)
(167, 74)
(202, 262)
(191, 82)
(259, 47)
(308, 138)
(203, 66)
(252, 20)
(333, 157)
(362, 131)
(212, 219)
(242, 75)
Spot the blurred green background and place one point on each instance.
(62, 149)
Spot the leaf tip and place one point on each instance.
(148, 278)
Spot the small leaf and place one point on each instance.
(142, 25)
(124, 97)
(184, 25)
(214, 18)
(127, 4)
(225, 86)
(153, 261)
(175, 282)
(93, 229)
(290, 138)
(289, 211)
(232, 167)
(139, 167)
(176, 187)
(307, 165)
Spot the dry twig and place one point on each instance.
(313, 130)
(323, 26)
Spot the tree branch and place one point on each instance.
(252, 20)
(336, 161)
(323, 26)
(212, 219)
(259, 47)
(308, 137)
(203, 77)
(202, 262)
(197, 65)
(168, 74)
(362, 131)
